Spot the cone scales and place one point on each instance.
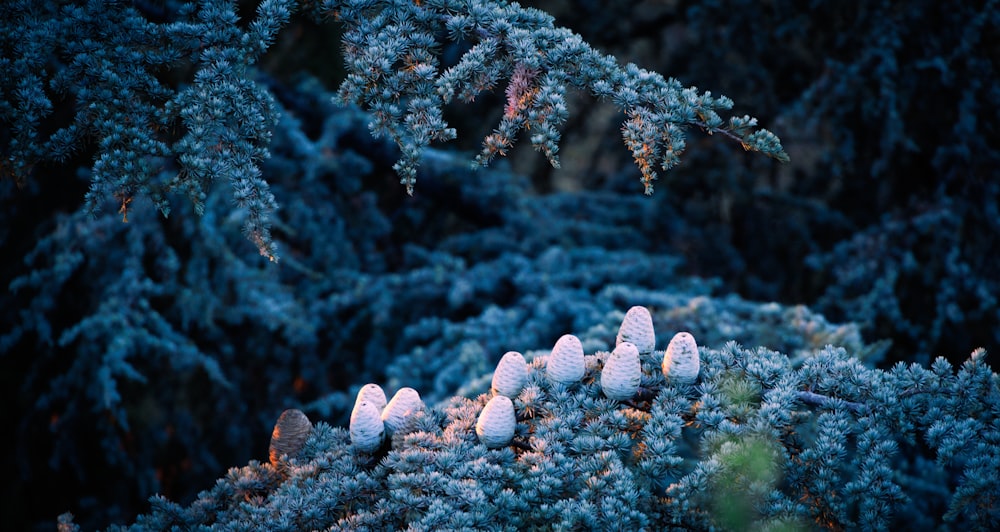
(366, 427)
(405, 402)
(622, 372)
(372, 393)
(511, 374)
(289, 434)
(681, 363)
(496, 423)
(566, 363)
(637, 328)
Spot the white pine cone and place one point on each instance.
(622, 372)
(289, 434)
(373, 394)
(681, 363)
(405, 402)
(496, 423)
(367, 428)
(511, 374)
(637, 327)
(566, 363)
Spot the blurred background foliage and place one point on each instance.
(886, 214)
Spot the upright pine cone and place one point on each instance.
(372, 393)
(681, 363)
(366, 427)
(622, 372)
(496, 423)
(403, 404)
(637, 327)
(566, 364)
(511, 374)
(289, 435)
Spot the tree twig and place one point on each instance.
(816, 399)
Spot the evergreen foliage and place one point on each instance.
(890, 118)
(147, 357)
(107, 60)
(131, 358)
(395, 72)
(757, 443)
(111, 64)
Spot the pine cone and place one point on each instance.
(566, 364)
(681, 363)
(511, 374)
(404, 403)
(637, 327)
(496, 423)
(372, 393)
(289, 434)
(622, 372)
(367, 427)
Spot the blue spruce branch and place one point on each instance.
(394, 71)
(152, 138)
(738, 447)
